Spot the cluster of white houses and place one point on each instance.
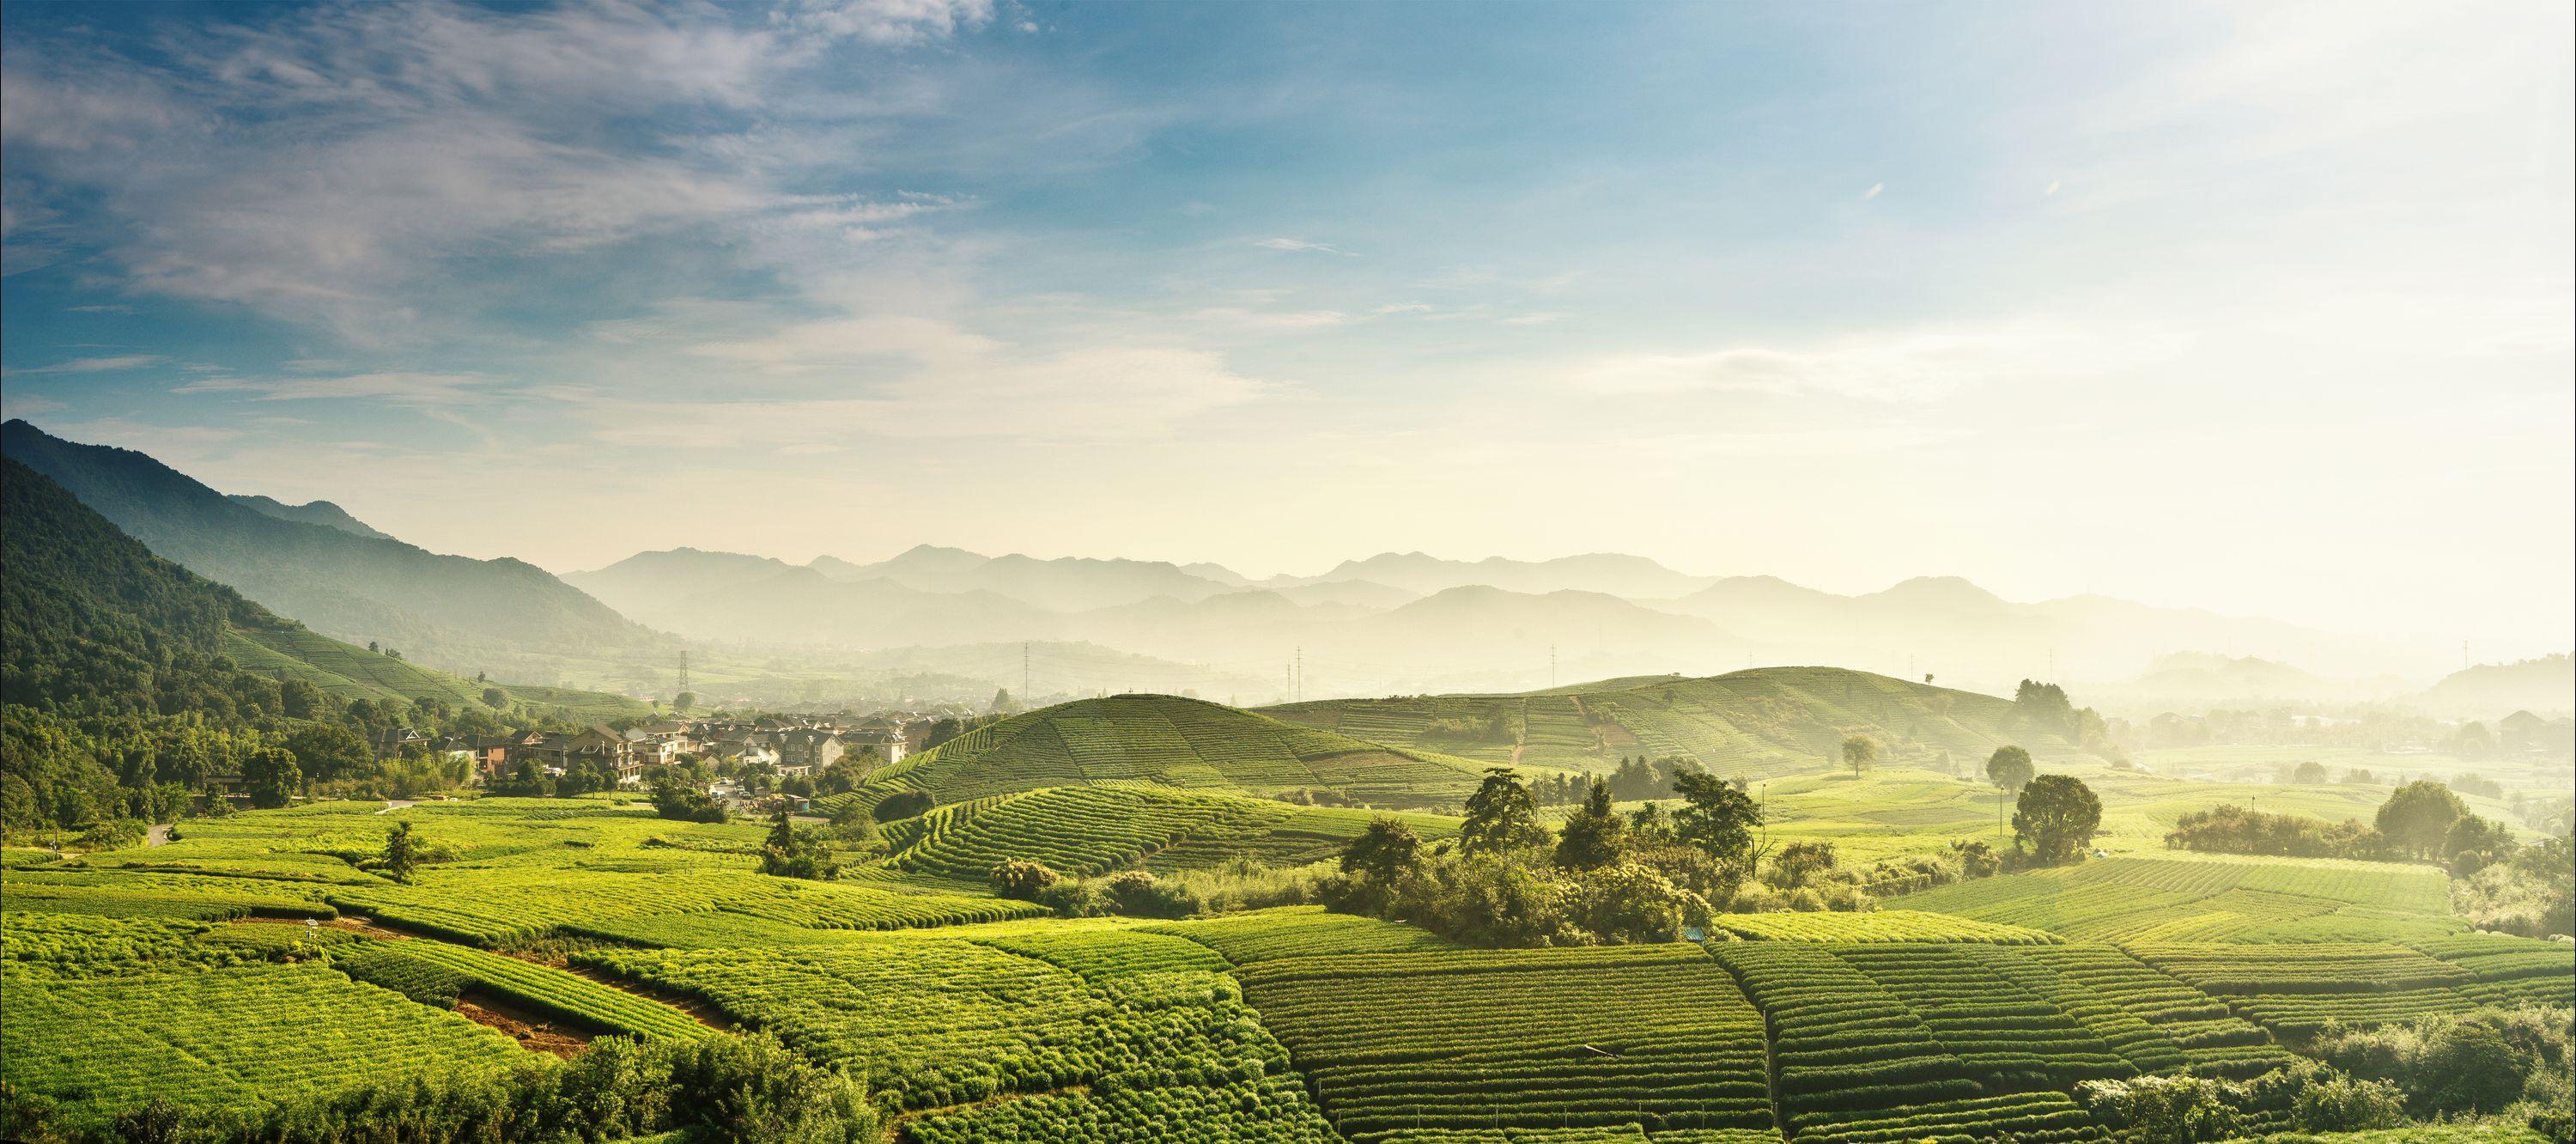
(800, 746)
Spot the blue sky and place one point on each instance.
(2261, 308)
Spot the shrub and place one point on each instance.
(2164, 1109)
(1022, 880)
(2349, 1104)
(903, 804)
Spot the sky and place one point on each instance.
(2261, 308)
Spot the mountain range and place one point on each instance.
(312, 562)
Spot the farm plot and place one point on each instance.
(232, 1037)
(1997, 1029)
(2294, 990)
(1299, 931)
(1309, 834)
(1843, 1047)
(499, 906)
(2209, 898)
(1075, 830)
(1655, 1036)
(928, 1022)
(2214, 1041)
(437, 968)
(2509, 970)
(1876, 926)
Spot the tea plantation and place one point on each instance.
(1975, 1011)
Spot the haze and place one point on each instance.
(2260, 309)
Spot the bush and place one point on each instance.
(1022, 880)
(903, 804)
(1073, 899)
(1141, 894)
(2349, 1104)
(2164, 1109)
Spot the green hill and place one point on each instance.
(1169, 741)
(449, 611)
(1766, 721)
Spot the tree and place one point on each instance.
(1860, 752)
(328, 751)
(401, 852)
(683, 802)
(1501, 816)
(1001, 701)
(2009, 767)
(793, 852)
(2310, 773)
(1592, 833)
(299, 699)
(2473, 844)
(1385, 854)
(2418, 816)
(2056, 817)
(1799, 863)
(683, 701)
(496, 699)
(271, 777)
(1715, 816)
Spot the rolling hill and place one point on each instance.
(319, 512)
(92, 604)
(1757, 723)
(1169, 741)
(2546, 685)
(447, 611)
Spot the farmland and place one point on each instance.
(1977, 1010)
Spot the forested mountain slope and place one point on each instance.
(449, 611)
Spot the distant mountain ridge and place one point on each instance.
(319, 512)
(448, 611)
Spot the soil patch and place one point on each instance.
(533, 1032)
(700, 1009)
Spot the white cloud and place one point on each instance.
(1874, 189)
(890, 22)
(1299, 245)
(98, 364)
(1897, 366)
(408, 388)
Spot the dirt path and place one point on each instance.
(159, 835)
(533, 1032)
(394, 804)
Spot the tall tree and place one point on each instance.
(2009, 767)
(2418, 816)
(1592, 833)
(1501, 816)
(401, 852)
(1385, 851)
(271, 777)
(1716, 816)
(1860, 752)
(2056, 816)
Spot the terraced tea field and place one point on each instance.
(1970, 1012)
(1169, 741)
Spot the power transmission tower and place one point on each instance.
(684, 671)
(1024, 673)
(1551, 665)
(1297, 684)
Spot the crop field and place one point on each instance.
(1654, 1036)
(1172, 742)
(223, 1037)
(1879, 925)
(1298, 931)
(1971, 1011)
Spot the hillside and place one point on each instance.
(1063, 584)
(319, 512)
(1609, 573)
(2546, 686)
(1766, 721)
(1174, 742)
(98, 624)
(648, 584)
(447, 611)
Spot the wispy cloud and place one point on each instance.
(400, 387)
(98, 364)
(1912, 365)
(1299, 245)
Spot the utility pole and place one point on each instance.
(1024, 673)
(684, 671)
(1551, 665)
(1297, 676)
